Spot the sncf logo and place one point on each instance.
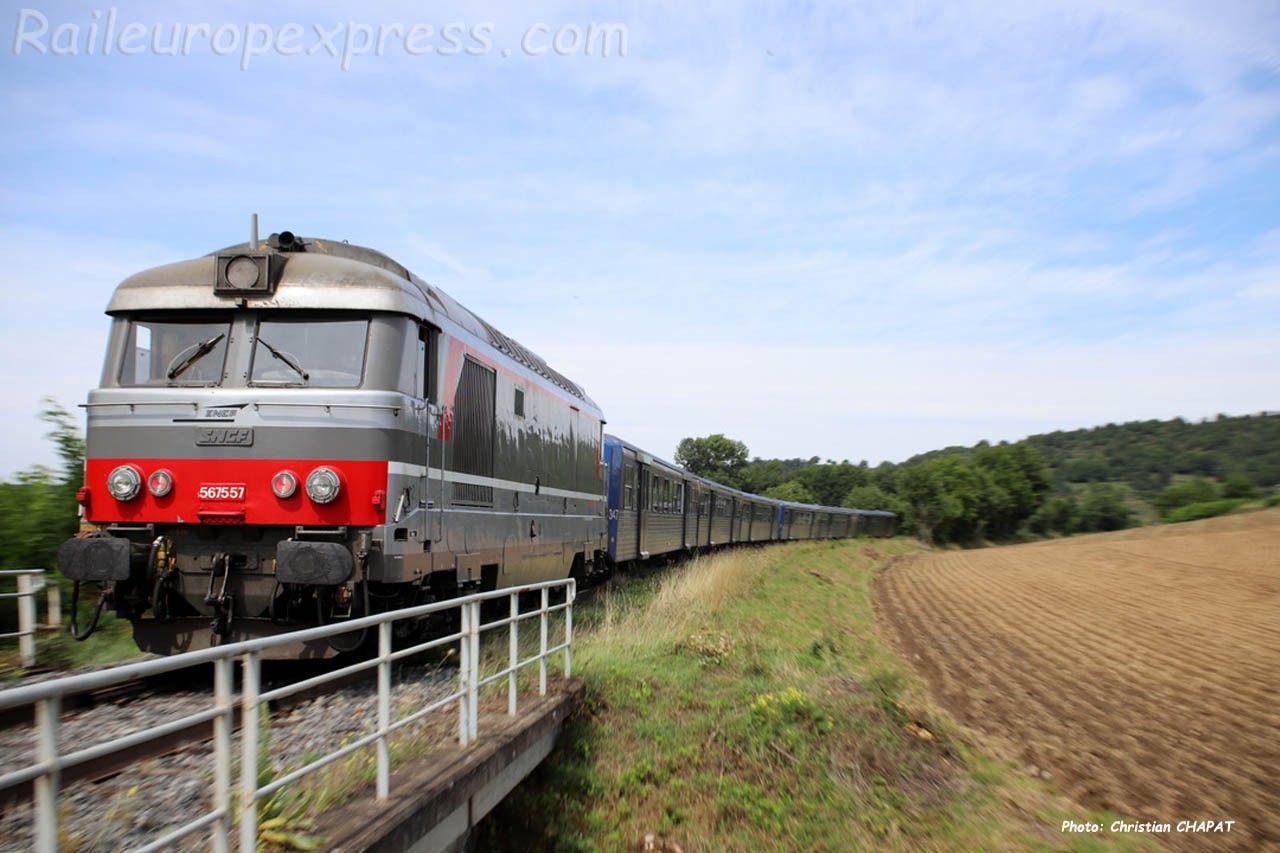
(221, 437)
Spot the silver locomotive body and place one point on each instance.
(304, 432)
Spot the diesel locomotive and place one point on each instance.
(300, 431)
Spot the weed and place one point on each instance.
(744, 800)
(790, 707)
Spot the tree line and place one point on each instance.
(1055, 484)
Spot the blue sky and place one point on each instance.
(854, 231)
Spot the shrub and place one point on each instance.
(1190, 492)
(1239, 486)
(1204, 509)
(1103, 508)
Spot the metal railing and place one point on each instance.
(46, 697)
(30, 583)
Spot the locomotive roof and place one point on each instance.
(321, 274)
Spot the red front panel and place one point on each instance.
(238, 492)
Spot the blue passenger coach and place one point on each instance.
(655, 508)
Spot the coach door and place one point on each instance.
(426, 494)
(682, 506)
(643, 513)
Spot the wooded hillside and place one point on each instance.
(1103, 478)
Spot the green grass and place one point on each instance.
(112, 642)
(745, 702)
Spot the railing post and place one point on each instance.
(48, 717)
(464, 672)
(542, 649)
(54, 617)
(473, 722)
(223, 725)
(250, 690)
(384, 711)
(514, 657)
(570, 594)
(27, 619)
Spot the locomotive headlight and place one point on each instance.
(243, 272)
(322, 485)
(124, 483)
(284, 484)
(160, 483)
(252, 273)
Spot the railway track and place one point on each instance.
(171, 696)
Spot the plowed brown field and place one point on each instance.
(1138, 671)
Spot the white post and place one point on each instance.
(48, 716)
(54, 617)
(473, 722)
(27, 620)
(250, 675)
(384, 711)
(542, 649)
(222, 728)
(569, 594)
(464, 673)
(514, 657)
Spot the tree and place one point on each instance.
(830, 482)
(1191, 492)
(873, 497)
(1239, 486)
(714, 457)
(791, 490)
(1019, 484)
(1056, 515)
(949, 498)
(1103, 508)
(38, 509)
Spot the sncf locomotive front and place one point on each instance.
(268, 449)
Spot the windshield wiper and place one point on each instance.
(297, 368)
(201, 351)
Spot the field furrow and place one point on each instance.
(1138, 671)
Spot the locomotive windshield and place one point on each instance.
(175, 352)
(280, 351)
(316, 353)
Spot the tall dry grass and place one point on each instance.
(683, 600)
